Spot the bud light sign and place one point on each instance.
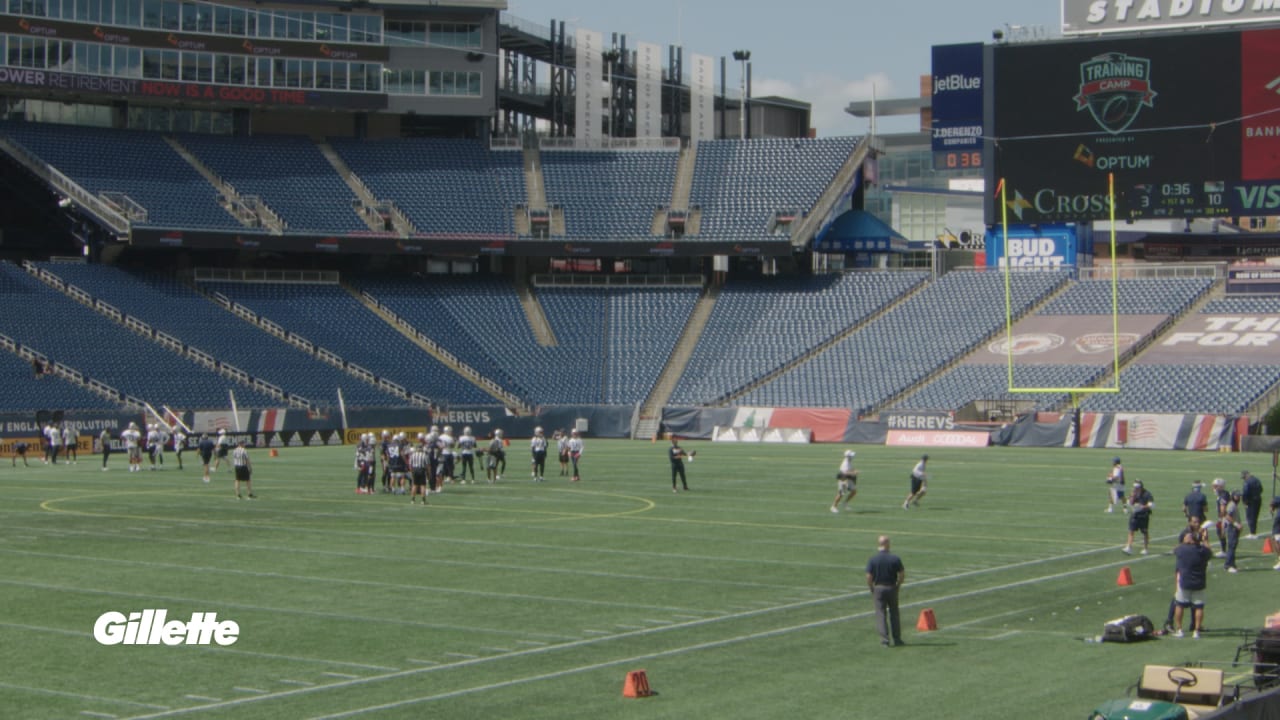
(1052, 247)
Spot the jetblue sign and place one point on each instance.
(957, 97)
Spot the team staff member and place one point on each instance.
(1195, 504)
(677, 455)
(919, 483)
(1191, 559)
(1199, 535)
(1251, 493)
(1140, 521)
(885, 575)
(244, 469)
(846, 481)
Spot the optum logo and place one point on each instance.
(151, 627)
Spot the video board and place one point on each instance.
(1189, 124)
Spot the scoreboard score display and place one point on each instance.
(1188, 124)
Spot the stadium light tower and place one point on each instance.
(742, 56)
(610, 57)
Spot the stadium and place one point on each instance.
(310, 228)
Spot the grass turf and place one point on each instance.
(743, 598)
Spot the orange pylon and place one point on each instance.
(1268, 547)
(1125, 578)
(636, 685)
(927, 621)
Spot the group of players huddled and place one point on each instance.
(423, 465)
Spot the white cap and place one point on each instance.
(849, 453)
(222, 431)
(1219, 482)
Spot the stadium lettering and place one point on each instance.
(1122, 162)
(21, 77)
(242, 94)
(1049, 202)
(920, 422)
(1152, 9)
(956, 81)
(160, 89)
(1231, 331)
(149, 627)
(1259, 197)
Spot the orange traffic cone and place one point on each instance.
(927, 621)
(1125, 578)
(636, 685)
(275, 452)
(1268, 547)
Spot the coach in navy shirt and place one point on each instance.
(1192, 562)
(885, 575)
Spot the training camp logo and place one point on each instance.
(1115, 87)
(152, 627)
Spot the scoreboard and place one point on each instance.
(1188, 124)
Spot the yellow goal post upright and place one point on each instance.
(1075, 392)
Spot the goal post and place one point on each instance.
(1074, 392)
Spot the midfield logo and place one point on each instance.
(149, 627)
(1115, 87)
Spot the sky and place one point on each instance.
(824, 52)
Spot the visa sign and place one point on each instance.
(1051, 247)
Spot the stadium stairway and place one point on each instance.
(371, 207)
(808, 226)
(137, 327)
(249, 213)
(448, 359)
(651, 410)
(534, 313)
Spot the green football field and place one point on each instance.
(743, 598)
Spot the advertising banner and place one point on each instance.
(1049, 246)
(1144, 109)
(173, 40)
(1253, 279)
(1154, 431)
(702, 100)
(648, 90)
(455, 244)
(589, 79)
(957, 106)
(938, 438)
(187, 92)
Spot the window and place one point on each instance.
(151, 13)
(238, 21)
(169, 64)
(151, 61)
(324, 74)
(170, 15)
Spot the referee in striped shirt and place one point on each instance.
(418, 461)
(243, 469)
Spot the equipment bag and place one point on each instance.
(1130, 628)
